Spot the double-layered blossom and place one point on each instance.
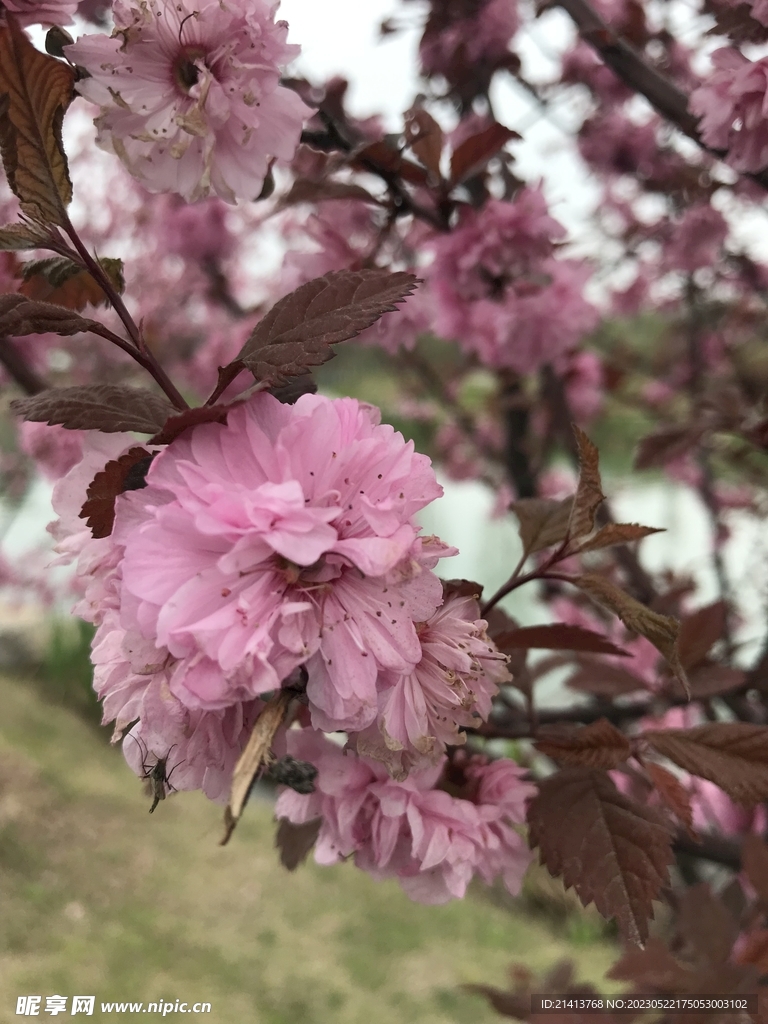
(42, 12)
(500, 291)
(732, 105)
(189, 94)
(431, 841)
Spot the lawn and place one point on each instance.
(98, 898)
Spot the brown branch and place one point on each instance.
(628, 65)
(19, 369)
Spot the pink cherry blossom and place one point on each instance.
(54, 449)
(697, 239)
(42, 12)
(430, 841)
(281, 538)
(482, 38)
(452, 685)
(189, 94)
(732, 105)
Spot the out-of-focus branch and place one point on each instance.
(17, 366)
(628, 65)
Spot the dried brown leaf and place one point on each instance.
(614, 533)
(612, 850)
(597, 745)
(734, 755)
(300, 329)
(754, 860)
(295, 841)
(471, 156)
(673, 793)
(661, 630)
(35, 91)
(589, 493)
(699, 631)
(123, 474)
(543, 522)
(110, 408)
(256, 756)
(557, 637)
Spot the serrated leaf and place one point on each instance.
(471, 156)
(543, 522)
(64, 282)
(614, 533)
(653, 968)
(699, 631)
(116, 477)
(110, 408)
(612, 850)
(673, 793)
(557, 637)
(733, 755)
(754, 860)
(15, 237)
(589, 492)
(178, 422)
(35, 91)
(661, 630)
(20, 315)
(296, 841)
(299, 329)
(597, 745)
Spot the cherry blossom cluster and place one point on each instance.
(281, 542)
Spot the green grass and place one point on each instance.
(99, 898)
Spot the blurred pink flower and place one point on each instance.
(429, 840)
(732, 105)
(696, 240)
(189, 94)
(42, 12)
(483, 38)
(54, 449)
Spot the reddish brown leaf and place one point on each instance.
(381, 156)
(653, 968)
(734, 755)
(425, 137)
(661, 630)
(709, 680)
(706, 924)
(598, 745)
(603, 680)
(471, 156)
(23, 235)
(299, 329)
(180, 421)
(462, 588)
(699, 631)
(557, 637)
(296, 841)
(755, 950)
(304, 190)
(543, 522)
(99, 508)
(673, 793)
(589, 494)
(59, 280)
(20, 315)
(610, 849)
(614, 533)
(754, 860)
(35, 91)
(659, 448)
(110, 408)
